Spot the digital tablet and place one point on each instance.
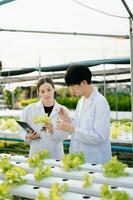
(25, 126)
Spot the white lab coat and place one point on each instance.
(92, 132)
(52, 142)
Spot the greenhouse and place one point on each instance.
(58, 139)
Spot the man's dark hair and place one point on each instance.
(75, 74)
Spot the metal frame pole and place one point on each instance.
(65, 33)
(104, 80)
(131, 55)
(116, 96)
(131, 61)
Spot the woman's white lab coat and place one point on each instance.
(92, 132)
(52, 142)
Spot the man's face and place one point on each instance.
(76, 89)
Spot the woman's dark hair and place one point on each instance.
(75, 74)
(44, 80)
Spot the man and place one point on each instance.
(90, 131)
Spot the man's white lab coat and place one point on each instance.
(52, 142)
(92, 132)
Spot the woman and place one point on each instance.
(50, 139)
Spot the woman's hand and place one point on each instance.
(32, 135)
(49, 128)
(64, 115)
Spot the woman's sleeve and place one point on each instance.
(22, 132)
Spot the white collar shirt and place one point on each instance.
(92, 132)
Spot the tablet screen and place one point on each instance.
(25, 126)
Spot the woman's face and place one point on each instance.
(46, 92)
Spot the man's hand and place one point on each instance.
(64, 115)
(65, 126)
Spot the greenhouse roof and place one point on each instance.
(14, 75)
(55, 30)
